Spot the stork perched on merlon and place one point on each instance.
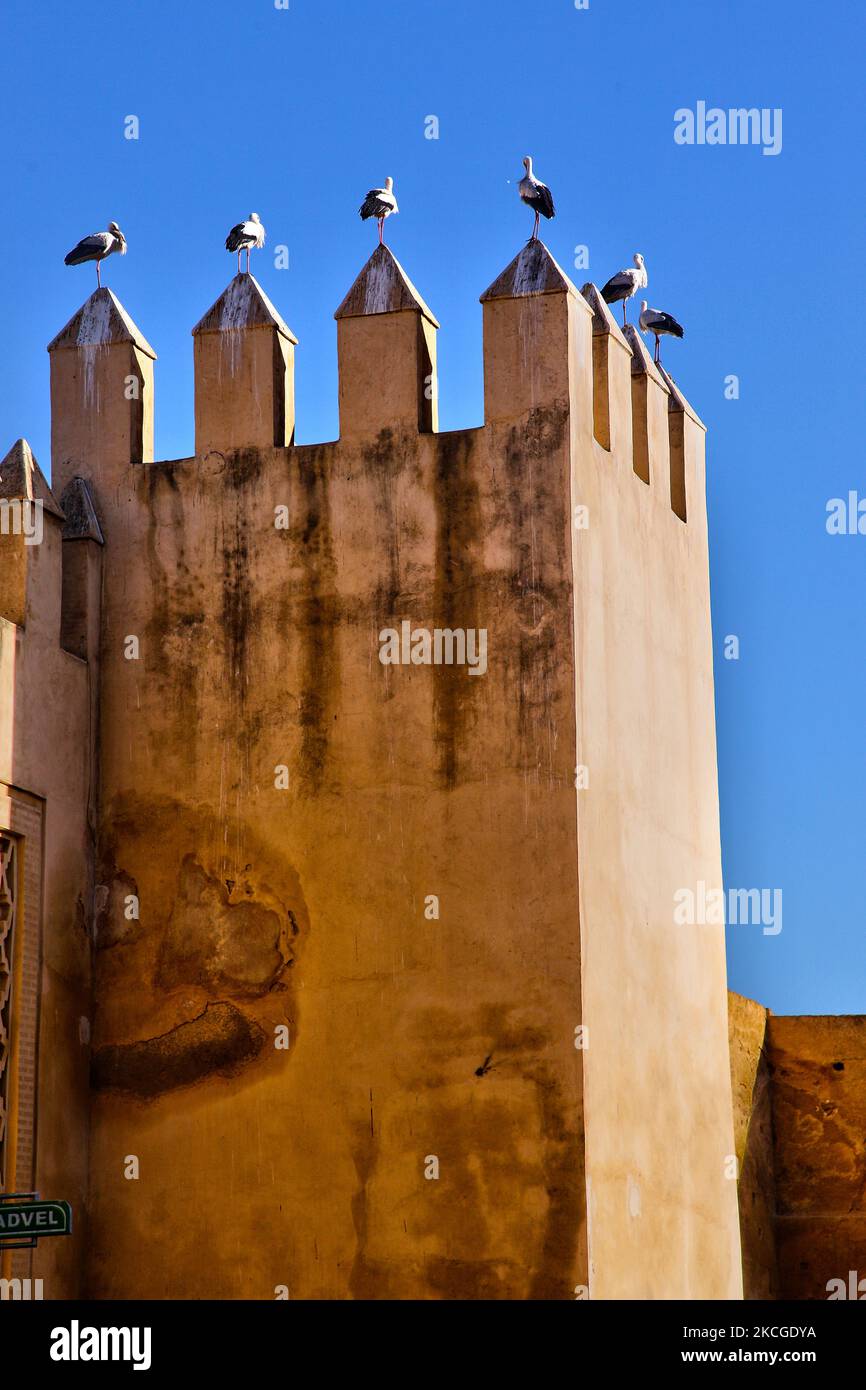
(535, 195)
(245, 236)
(96, 247)
(625, 284)
(379, 203)
(657, 322)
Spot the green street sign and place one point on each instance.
(23, 1219)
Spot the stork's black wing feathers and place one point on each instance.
(89, 248)
(236, 239)
(376, 204)
(544, 202)
(619, 286)
(666, 323)
(540, 200)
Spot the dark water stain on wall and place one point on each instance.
(175, 604)
(243, 468)
(469, 1280)
(519, 1045)
(538, 581)
(317, 613)
(364, 1277)
(455, 585)
(236, 604)
(220, 1040)
(519, 1141)
(379, 461)
(564, 1236)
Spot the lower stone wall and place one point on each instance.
(819, 1128)
(799, 1086)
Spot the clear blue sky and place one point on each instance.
(296, 113)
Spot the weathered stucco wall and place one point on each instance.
(232, 907)
(305, 906)
(262, 907)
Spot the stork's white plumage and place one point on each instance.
(379, 203)
(535, 195)
(625, 284)
(245, 236)
(658, 322)
(96, 247)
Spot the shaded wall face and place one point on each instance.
(662, 1202)
(751, 1084)
(403, 913)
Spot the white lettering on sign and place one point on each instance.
(45, 1218)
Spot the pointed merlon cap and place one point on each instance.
(82, 523)
(678, 400)
(21, 478)
(243, 304)
(101, 321)
(383, 287)
(642, 363)
(533, 271)
(603, 320)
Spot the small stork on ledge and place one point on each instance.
(659, 323)
(96, 247)
(535, 195)
(625, 284)
(379, 203)
(245, 236)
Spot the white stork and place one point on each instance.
(535, 195)
(245, 236)
(96, 247)
(659, 323)
(626, 283)
(379, 203)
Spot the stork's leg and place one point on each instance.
(624, 312)
(248, 260)
(98, 280)
(381, 230)
(535, 228)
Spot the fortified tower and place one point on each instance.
(388, 998)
